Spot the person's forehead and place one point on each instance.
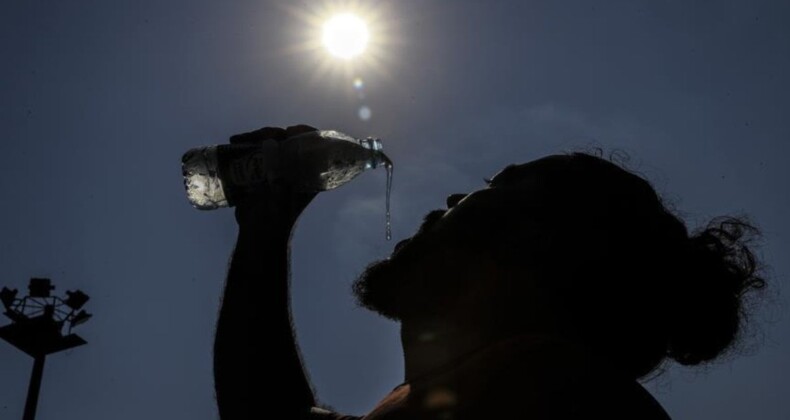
(523, 177)
(517, 173)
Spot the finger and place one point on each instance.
(265, 133)
(295, 130)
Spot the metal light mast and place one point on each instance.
(37, 327)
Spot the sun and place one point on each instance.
(345, 35)
(338, 41)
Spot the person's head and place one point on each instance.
(577, 247)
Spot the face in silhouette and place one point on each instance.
(449, 261)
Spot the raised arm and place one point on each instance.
(257, 365)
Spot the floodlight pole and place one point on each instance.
(34, 388)
(36, 328)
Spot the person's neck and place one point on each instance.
(434, 345)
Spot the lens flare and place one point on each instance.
(365, 113)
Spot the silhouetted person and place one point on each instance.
(546, 294)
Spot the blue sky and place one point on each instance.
(100, 99)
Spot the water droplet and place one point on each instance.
(388, 167)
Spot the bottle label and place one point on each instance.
(251, 165)
(243, 168)
(248, 170)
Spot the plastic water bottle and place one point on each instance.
(218, 176)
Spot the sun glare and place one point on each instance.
(344, 40)
(345, 36)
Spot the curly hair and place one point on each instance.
(711, 309)
(633, 282)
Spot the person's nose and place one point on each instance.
(453, 199)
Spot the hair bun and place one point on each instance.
(717, 273)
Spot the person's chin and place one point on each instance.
(377, 288)
(395, 287)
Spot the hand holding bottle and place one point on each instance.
(277, 202)
(286, 166)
